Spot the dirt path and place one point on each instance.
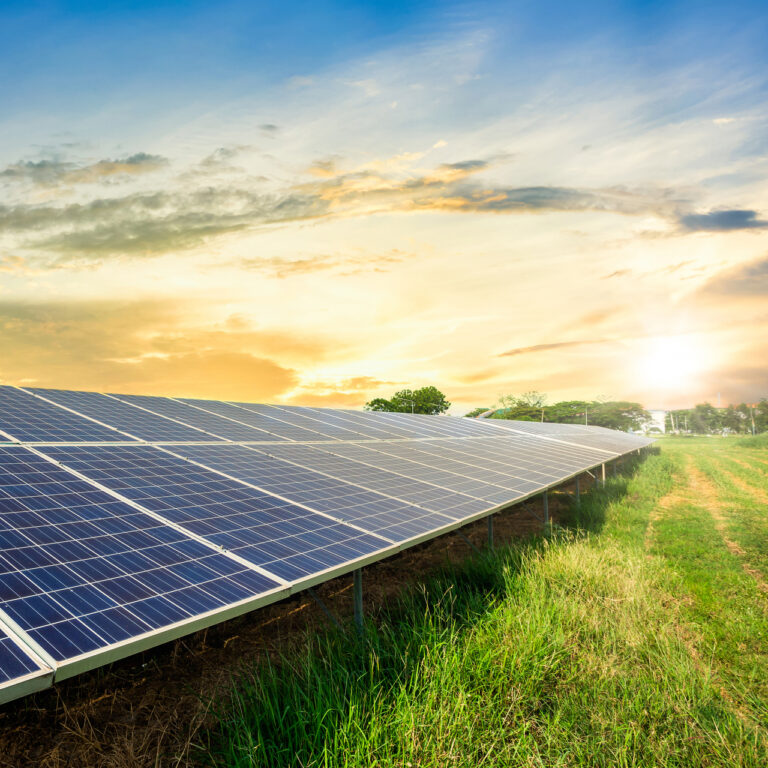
(757, 493)
(687, 493)
(706, 494)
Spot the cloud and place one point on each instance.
(353, 391)
(746, 280)
(546, 347)
(722, 221)
(153, 347)
(343, 265)
(53, 172)
(151, 224)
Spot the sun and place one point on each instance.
(671, 362)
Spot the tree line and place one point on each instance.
(530, 406)
(706, 419)
(533, 406)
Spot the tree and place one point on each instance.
(531, 399)
(475, 412)
(429, 400)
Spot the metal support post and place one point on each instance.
(578, 492)
(602, 480)
(471, 545)
(490, 532)
(324, 608)
(357, 595)
(545, 501)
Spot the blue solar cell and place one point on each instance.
(374, 512)
(80, 570)
(263, 529)
(197, 417)
(29, 419)
(127, 418)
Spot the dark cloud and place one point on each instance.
(53, 172)
(722, 221)
(743, 281)
(269, 128)
(151, 224)
(467, 165)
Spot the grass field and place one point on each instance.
(637, 635)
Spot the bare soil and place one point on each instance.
(147, 710)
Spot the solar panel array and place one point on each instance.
(127, 521)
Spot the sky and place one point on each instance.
(326, 202)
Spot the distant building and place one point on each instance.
(658, 421)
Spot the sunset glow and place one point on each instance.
(469, 196)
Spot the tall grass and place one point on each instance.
(556, 652)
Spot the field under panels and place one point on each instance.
(128, 521)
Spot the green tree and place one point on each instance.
(429, 400)
(475, 412)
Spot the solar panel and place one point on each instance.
(269, 425)
(377, 513)
(127, 418)
(213, 424)
(287, 540)
(368, 423)
(81, 571)
(601, 438)
(364, 453)
(287, 416)
(435, 498)
(27, 418)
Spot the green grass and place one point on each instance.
(615, 643)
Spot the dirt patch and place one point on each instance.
(146, 711)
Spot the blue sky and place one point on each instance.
(322, 201)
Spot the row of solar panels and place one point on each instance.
(112, 548)
(50, 415)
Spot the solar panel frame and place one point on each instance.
(21, 671)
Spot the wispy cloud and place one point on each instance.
(339, 264)
(553, 345)
(741, 282)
